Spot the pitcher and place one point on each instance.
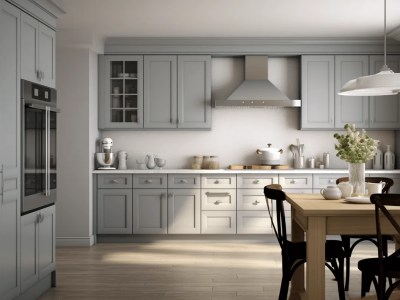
(122, 158)
(150, 163)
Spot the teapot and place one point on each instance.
(149, 160)
(332, 192)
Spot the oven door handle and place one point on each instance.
(43, 107)
(46, 154)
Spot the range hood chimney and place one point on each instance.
(256, 90)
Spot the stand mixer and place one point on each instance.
(106, 158)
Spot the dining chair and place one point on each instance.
(294, 254)
(348, 246)
(383, 267)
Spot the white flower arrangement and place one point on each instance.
(355, 146)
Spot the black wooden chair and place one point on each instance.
(348, 246)
(294, 254)
(380, 269)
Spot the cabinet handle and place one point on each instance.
(171, 195)
(256, 202)
(256, 181)
(217, 202)
(148, 181)
(114, 181)
(331, 181)
(216, 181)
(292, 181)
(41, 218)
(183, 181)
(37, 221)
(41, 75)
(217, 194)
(38, 74)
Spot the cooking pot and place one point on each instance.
(269, 155)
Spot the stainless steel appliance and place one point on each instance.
(39, 158)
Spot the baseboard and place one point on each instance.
(75, 241)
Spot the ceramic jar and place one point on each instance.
(332, 192)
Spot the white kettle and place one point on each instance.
(122, 158)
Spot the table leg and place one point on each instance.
(316, 233)
(297, 283)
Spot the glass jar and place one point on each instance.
(206, 162)
(214, 163)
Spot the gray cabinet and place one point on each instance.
(120, 91)
(384, 110)
(177, 91)
(37, 51)
(37, 246)
(114, 204)
(317, 91)
(10, 190)
(350, 109)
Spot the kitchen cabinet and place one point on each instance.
(350, 109)
(177, 91)
(321, 181)
(10, 184)
(384, 110)
(218, 222)
(38, 44)
(114, 204)
(37, 246)
(317, 91)
(120, 91)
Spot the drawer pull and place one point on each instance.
(148, 181)
(216, 181)
(217, 194)
(114, 181)
(256, 202)
(183, 181)
(256, 181)
(217, 202)
(292, 181)
(331, 181)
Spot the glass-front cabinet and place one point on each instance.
(121, 91)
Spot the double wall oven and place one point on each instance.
(39, 157)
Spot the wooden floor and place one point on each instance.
(178, 270)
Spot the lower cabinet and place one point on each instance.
(218, 222)
(150, 211)
(37, 246)
(114, 211)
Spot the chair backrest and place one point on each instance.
(381, 201)
(276, 195)
(388, 182)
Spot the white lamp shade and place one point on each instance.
(384, 83)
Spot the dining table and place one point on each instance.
(314, 218)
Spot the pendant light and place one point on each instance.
(384, 83)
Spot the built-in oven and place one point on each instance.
(39, 137)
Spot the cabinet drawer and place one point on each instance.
(218, 222)
(302, 181)
(253, 222)
(251, 199)
(150, 181)
(218, 181)
(323, 180)
(224, 199)
(255, 181)
(114, 181)
(184, 181)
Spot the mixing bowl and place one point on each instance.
(105, 160)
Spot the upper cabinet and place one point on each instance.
(171, 92)
(121, 91)
(37, 51)
(322, 107)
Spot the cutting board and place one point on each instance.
(237, 167)
(260, 167)
(281, 167)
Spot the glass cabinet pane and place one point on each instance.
(131, 69)
(117, 115)
(130, 86)
(117, 86)
(117, 101)
(131, 116)
(131, 101)
(117, 67)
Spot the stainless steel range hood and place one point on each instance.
(256, 90)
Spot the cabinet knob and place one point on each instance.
(183, 181)
(148, 181)
(292, 181)
(331, 181)
(114, 181)
(256, 181)
(216, 181)
(170, 195)
(217, 202)
(256, 202)
(38, 74)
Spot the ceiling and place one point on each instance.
(229, 18)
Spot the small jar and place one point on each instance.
(214, 163)
(197, 162)
(206, 162)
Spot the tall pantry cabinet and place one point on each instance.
(9, 151)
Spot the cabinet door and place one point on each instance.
(254, 222)
(46, 55)
(194, 91)
(114, 211)
(184, 211)
(9, 151)
(317, 91)
(350, 109)
(218, 222)
(160, 91)
(47, 241)
(385, 110)
(29, 48)
(29, 250)
(150, 211)
(120, 91)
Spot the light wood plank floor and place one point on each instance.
(178, 270)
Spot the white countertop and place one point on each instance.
(227, 171)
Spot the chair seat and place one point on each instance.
(333, 249)
(391, 265)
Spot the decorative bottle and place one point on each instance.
(388, 159)
(377, 163)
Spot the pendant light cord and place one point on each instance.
(384, 36)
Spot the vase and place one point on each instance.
(357, 178)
